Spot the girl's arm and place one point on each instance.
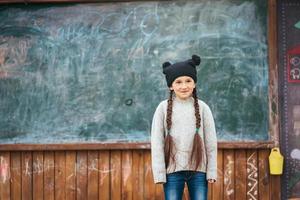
(157, 146)
(210, 143)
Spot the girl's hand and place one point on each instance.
(211, 180)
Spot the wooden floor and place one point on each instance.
(124, 174)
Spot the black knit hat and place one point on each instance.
(185, 68)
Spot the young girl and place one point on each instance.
(183, 136)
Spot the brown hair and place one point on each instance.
(169, 143)
(197, 149)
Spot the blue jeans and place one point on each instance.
(196, 182)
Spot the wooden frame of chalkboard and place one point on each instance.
(272, 102)
(119, 146)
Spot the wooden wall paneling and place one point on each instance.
(127, 180)
(81, 175)
(49, 175)
(5, 175)
(252, 175)
(228, 174)
(16, 176)
(104, 175)
(159, 191)
(138, 174)
(217, 189)
(60, 175)
(263, 174)
(70, 175)
(240, 168)
(149, 185)
(26, 175)
(38, 174)
(115, 175)
(275, 187)
(125, 174)
(93, 170)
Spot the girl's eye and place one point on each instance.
(178, 82)
(188, 81)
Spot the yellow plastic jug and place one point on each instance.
(275, 161)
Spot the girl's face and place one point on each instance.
(183, 87)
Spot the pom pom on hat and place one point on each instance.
(165, 65)
(196, 59)
(184, 68)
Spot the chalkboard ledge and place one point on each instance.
(121, 146)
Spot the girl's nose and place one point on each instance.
(184, 85)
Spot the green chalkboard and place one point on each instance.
(92, 72)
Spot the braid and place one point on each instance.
(197, 112)
(169, 143)
(169, 111)
(197, 149)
